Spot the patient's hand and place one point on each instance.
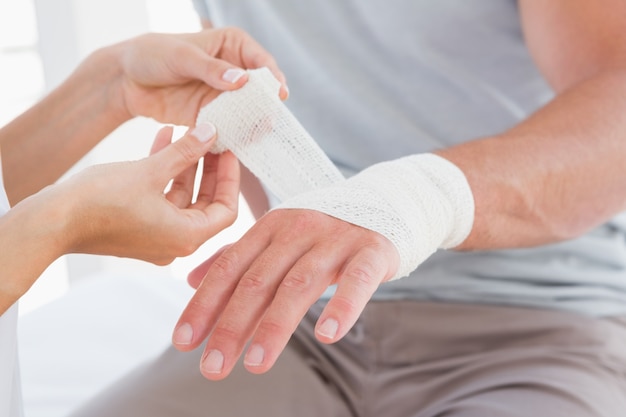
(260, 288)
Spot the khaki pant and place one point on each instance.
(404, 359)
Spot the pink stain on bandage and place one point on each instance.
(257, 127)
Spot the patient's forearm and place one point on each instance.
(554, 176)
(44, 142)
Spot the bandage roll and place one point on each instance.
(258, 128)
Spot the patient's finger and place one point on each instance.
(195, 277)
(360, 277)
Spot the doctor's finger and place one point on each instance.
(181, 188)
(220, 181)
(192, 62)
(162, 139)
(253, 55)
(184, 153)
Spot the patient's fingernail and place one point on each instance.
(328, 329)
(213, 362)
(204, 131)
(233, 75)
(255, 355)
(183, 334)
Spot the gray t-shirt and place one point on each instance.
(376, 80)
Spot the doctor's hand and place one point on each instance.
(124, 209)
(169, 77)
(259, 288)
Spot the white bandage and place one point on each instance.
(256, 126)
(420, 202)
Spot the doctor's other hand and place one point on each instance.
(169, 77)
(124, 209)
(258, 289)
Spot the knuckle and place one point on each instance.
(273, 216)
(361, 275)
(253, 281)
(224, 333)
(231, 204)
(225, 265)
(188, 247)
(380, 242)
(346, 305)
(298, 281)
(234, 32)
(181, 243)
(272, 327)
(163, 261)
(231, 214)
(304, 221)
(199, 306)
(186, 151)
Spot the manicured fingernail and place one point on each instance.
(233, 75)
(328, 329)
(255, 355)
(213, 362)
(183, 334)
(204, 131)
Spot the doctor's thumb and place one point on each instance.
(185, 152)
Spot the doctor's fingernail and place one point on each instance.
(255, 355)
(233, 75)
(213, 362)
(204, 131)
(183, 334)
(328, 329)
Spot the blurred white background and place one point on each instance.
(41, 41)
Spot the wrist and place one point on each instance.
(50, 215)
(420, 203)
(33, 234)
(104, 67)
